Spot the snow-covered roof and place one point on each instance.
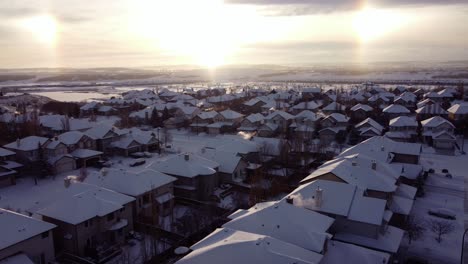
(371, 122)
(363, 107)
(310, 105)
(286, 222)
(71, 137)
(186, 165)
(15, 228)
(340, 118)
(229, 114)
(98, 132)
(233, 247)
(207, 115)
(6, 152)
(307, 115)
(340, 252)
(129, 183)
(396, 109)
(434, 109)
(358, 170)
(334, 106)
(17, 259)
(381, 147)
(403, 121)
(407, 97)
(257, 117)
(92, 202)
(27, 143)
(283, 114)
(228, 161)
(350, 202)
(459, 109)
(435, 122)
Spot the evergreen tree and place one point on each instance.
(165, 114)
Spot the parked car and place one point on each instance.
(137, 162)
(443, 213)
(137, 155)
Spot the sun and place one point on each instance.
(371, 23)
(43, 27)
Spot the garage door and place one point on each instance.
(64, 165)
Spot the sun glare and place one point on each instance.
(371, 23)
(208, 32)
(43, 27)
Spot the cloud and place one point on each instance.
(307, 7)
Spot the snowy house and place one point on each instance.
(406, 99)
(458, 112)
(369, 128)
(234, 247)
(28, 148)
(254, 105)
(361, 111)
(152, 190)
(395, 110)
(89, 108)
(402, 128)
(281, 119)
(226, 121)
(89, 217)
(197, 177)
(29, 237)
(335, 120)
(358, 216)
(438, 132)
(104, 135)
(251, 123)
(231, 165)
(340, 252)
(187, 112)
(201, 120)
(302, 106)
(429, 110)
(77, 140)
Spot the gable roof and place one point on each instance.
(90, 203)
(396, 109)
(16, 227)
(403, 121)
(285, 222)
(435, 122)
(27, 143)
(129, 183)
(234, 247)
(186, 165)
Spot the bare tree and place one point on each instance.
(414, 228)
(440, 228)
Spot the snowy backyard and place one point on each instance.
(440, 192)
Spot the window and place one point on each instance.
(123, 209)
(45, 234)
(86, 223)
(110, 217)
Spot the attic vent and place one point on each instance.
(104, 172)
(374, 165)
(382, 148)
(186, 157)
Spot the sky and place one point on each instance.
(211, 33)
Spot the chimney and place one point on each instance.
(354, 162)
(186, 156)
(374, 165)
(318, 197)
(382, 148)
(18, 142)
(290, 200)
(104, 171)
(67, 182)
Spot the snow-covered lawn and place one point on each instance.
(441, 192)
